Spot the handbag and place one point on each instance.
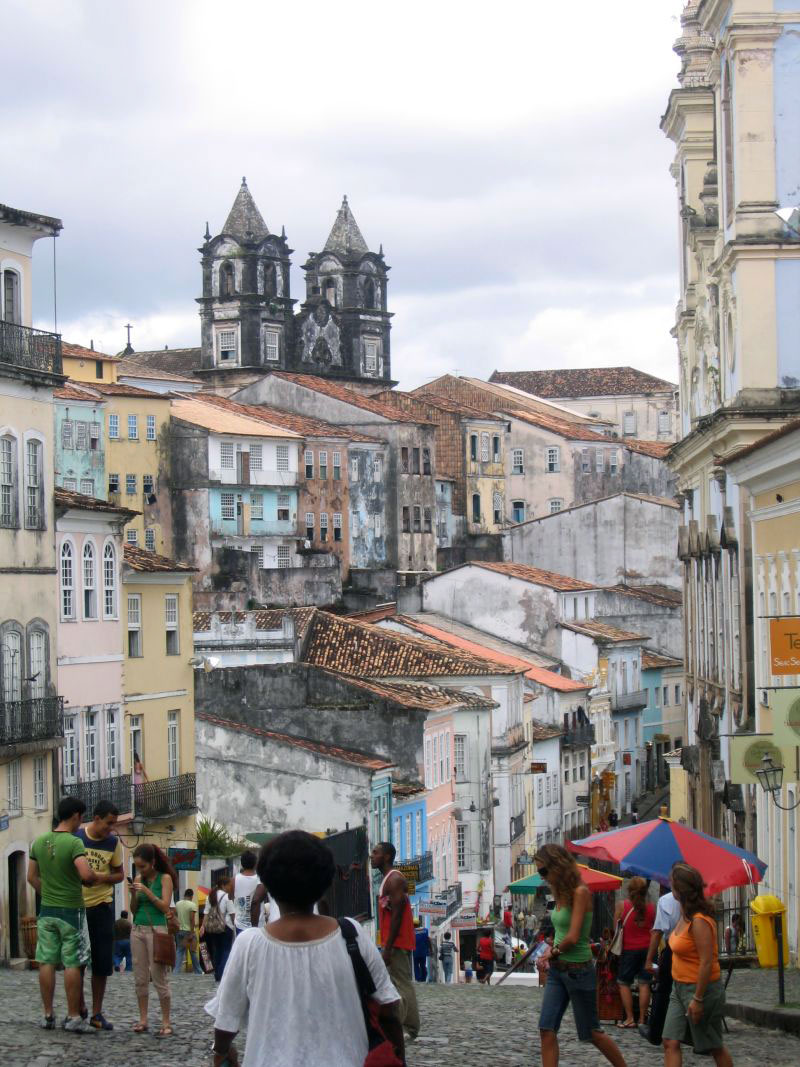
(213, 923)
(173, 924)
(381, 1052)
(163, 947)
(615, 948)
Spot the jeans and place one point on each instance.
(447, 968)
(122, 951)
(576, 984)
(186, 939)
(421, 968)
(219, 947)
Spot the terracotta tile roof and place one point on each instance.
(653, 594)
(68, 498)
(358, 649)
(572, 431)
(417, 694)
(344, 755)
(544, 731)
(402, 790)
(382, 611)
(265, 619)
(774, 435)
(583, 382)
(140, 370)
(84, 394)
(347, 396)
(81, 352)
(603, 631)
(195, 408)
(139, 559)
(175, 360)
(119, 389)
(537, 674)
(562, 582)
(442, 403)
(662, 501)
(302, 424)
(654, 660)
(655, 449)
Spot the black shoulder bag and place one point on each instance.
(381, 1050)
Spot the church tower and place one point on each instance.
(247, 322)
(342, 329)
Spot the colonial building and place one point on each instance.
(31, 722)
(80, 460)
(736, 328)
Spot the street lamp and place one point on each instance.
(524, 859)
(770, 778)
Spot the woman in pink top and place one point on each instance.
(637, 916)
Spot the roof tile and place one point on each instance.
(347, 396)
(603, 631)
(196, 409)
(302, 424)
(583, 382)
(69, 498)
(562, 582)
(139, 559)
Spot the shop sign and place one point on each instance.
(785, 705)
(432, 907)
(466, 920)
(747, 752)
(784, 645)
(539, 768)
(185, 859)
(582, 798)
(410, 871)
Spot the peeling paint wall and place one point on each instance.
(74, 465)
(367, 529)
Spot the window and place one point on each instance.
(134, 625)
(417, 518)
(428, 520)
(377, 468)
(484, 448)
(71, 483)
(461, 846)
(67, 434)
(476, 507)
(460, 756)
(82, 436)
(435, 762)
(283, 507)
(112, 747)
(12, 665)
(586, 460)
(87, 486)
(109, 582)
(337, 465)
(98, 368)
(70, 756)
(355, 523)
(354, 468)
(94, 435)
(518, 510)
(133, 427)
(547, 790)
(612, 461)
(495, 449)
(323, 526)
(148, 484)
(257, 506)
(40, 783)
(418, 832)
(473, 447)
(539, 791)
(309, 462)
(282, 457)
(227, 455)
(173, 751)
(227, 281)
(14, 779)
(629, 423)
(404, 460)
(256, 457)
(517, 461)
(12, 310)
(666, 695)
(409, 838)
(398, 832)
(67, 582)
(258, 552)
(283, 556)
(406, 520)
(136, 737)
(171, 623)
(227, 506)
(113, 427)
(337, 525)
(130, 484)
(555, 505)
(150, 539)
(34, 511)
(226, 346)
(371, 356)
(323, 465)
(677, 695)
(497, 508)
(415, 464)
(37, 664)
(113, 483)
(89, 582)
(552, 461)
(426, 461)
(309, 525)
(271, 352)
(663, 422)
(599, 460)
(90, 767)
(132, 536)
(8, 481)
(150, 427)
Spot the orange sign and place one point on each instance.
(784, 643)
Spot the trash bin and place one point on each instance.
(764, 909)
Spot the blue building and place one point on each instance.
(410, 837)
(80, 454)
(662, 719)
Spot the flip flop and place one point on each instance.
(140, 1028)
(166, 1031)
(626, 1026)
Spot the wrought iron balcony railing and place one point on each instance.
(164, 797)
(425, 863)
(117, 790)
(27, 721)
(32, 349)
(517, 825)
(629, 701)
(578, 736)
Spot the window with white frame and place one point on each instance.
(599, 460)
(171, 623)
(113, 427)
(354, 468)
(323, 526)
(664, 421)
(133, 427)
(398, 834)
(271, 350)
(89, 582)
(81, 436)
(10, 294)
(428, 765)
(336, 462)
(109, 582)
(112, 742)
(371, 356)
(613, 463)
(586, 460)
(70, 753)
(130, 484)
(67, 434)
(284, 556)
(310, 525)
(355, 523)
(67, 581)
(148, 485)
(447, 774)
(283, 507)
(132, 536)
(8, 481)
(90, 737)
(629, 423)
(37, 664)
(94, 435)
(227, 505)
(539, 791)
(150, 539)
(323, 465)
(281, 457)
(409, 837)
(227, 455)
(136, 738)
(552, 460)
(113, 483)
(227, 348)
(257, 506)
(173, 744)
(484, 448)
(308, 462)
(134, 625)
(547, 790)
(460, 756)
(150, 427)
(12, 665)
(337, 525)
(258, 552)
(435, 760)
(256, 456)
(40, 783)
(517, 461)
(14, 794)
(418, 833)
(555, 505)
(34, 503)
(87, 486)
(461, 846)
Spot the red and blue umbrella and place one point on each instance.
(650, 849)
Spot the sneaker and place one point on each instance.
(99, 1022)
(76, 1025)
(48, 1022)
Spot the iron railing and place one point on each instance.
(629, 701)
(26, 721)
(425, 863)
(578, 736)
(350, 891)
(165, 796)
(517, 825)
(29, 348)
(117, 790)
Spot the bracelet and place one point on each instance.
(699, 999)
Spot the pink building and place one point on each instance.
(440, 805)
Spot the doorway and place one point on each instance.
(17, 903)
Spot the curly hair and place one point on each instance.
(562, 872)
(296, 868)
(637, 894)
(688, 888)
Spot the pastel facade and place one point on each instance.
(80, 461)
(86, 365)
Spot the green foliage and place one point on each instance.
(214, 840)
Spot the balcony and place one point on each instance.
(629, 701)
(511, 741)
(29, 349)
(30, 724)
(424, 865)
(517, 826)
(117, 790)
(578, 736)
(165, 797)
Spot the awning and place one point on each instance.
(597, 881)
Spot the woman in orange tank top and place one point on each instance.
(697, 1004)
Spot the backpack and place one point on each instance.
(213, 921)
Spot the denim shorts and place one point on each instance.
(631, 966)
(577, 983)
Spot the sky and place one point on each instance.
(508, 157)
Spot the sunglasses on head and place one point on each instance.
(543, 871)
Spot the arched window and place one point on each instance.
(369, 293)
(227, 280)
(9, 486)
(476, 507)
(67, 582)
(12, 665)
(34, 488)
(12, 310)
(89, 582)
(330, 291)
(109, 582)
(37, 664)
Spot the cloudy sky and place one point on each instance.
(507, 155)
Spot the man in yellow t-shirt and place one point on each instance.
(186, 937)
(104, 853)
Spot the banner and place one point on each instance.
(784, 645)
(185, 859)
(785, 716)
(747, 752)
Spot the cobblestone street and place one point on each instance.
(461, 1026)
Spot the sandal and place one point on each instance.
(626, 1026)
(140, 1028)
(166, 1031)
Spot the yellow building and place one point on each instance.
(158, 689)
(86, 365)
(31, 719)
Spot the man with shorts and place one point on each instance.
(56, 869)
(104, 852)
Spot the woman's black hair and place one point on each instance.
(153, 854)
(296, 868)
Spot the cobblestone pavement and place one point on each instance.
(462, 1025)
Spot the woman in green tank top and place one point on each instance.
(571, 979)
(151, 898)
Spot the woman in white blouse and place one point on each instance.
(294, 979)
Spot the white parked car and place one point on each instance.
(500, 946)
